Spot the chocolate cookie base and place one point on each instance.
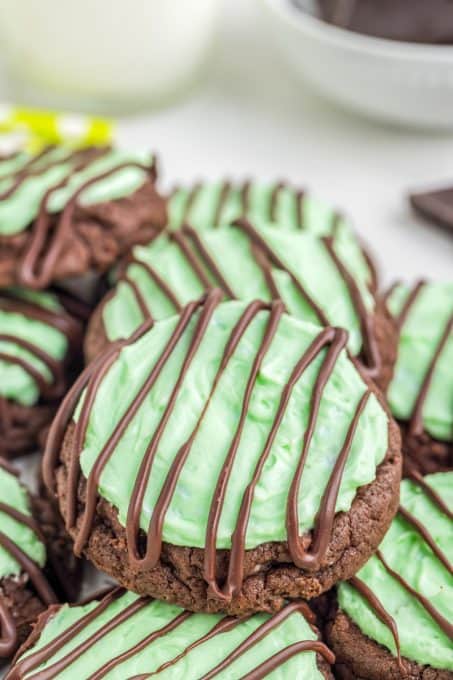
(99, 235)
(360, 658)
(96, 340)
(269, 575)
(22, 427)
(424, 453)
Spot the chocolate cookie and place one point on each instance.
(323, 280)
(123, 635)
(393, 619)
(66, 213)
(39, 353)
(421, 392)
(28, 554)
(226, 459)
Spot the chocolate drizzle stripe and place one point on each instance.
(35, 659)
(58, 667)
(223, 196)
(142, 304)
(300, 199)
(218, 498)
(262, 632)
(325, 518)
(51, 364)
(154, 537)
(266, 268)
(136, 649)
(408, 304)
(273, 203)
(180, 241)
(8, 467)
(27, 565)
(417, 478)
(208, 260)
(8, 630)
(256, 238)
(223, 626)
(416, 422)
(245, 196)
(36, 376)
(109, 447)
(279, 658)
(443, 624)
(370, 347)
(192, 197)
(159, 281)
(22, 518)
(381, 612)
(40, 250)
(423, 531)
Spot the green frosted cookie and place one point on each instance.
(39, 342)
(421, 392)
(401, 601)
(124, 636)
(234, 427)
(68, 212)
(26, 578)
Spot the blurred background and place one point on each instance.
(257, 88)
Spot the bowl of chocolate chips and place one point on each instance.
(390, 60)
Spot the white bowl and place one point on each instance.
(398, 82)
(105, 55)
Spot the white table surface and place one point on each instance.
(249, 116)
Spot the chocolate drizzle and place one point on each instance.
(9, 638)
(207, 269)
(329, 340)
(60, 321)
(423, 531)
(33, 660)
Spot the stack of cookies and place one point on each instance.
(231, 455)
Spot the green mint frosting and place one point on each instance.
(16, 383)
(13, 493)
(409, 555)
(195, 664)
(186, 519)
(19, 209)
(420, 335)
(293, 209)
(303, 254)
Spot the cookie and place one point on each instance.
(66, 213)
(225, 459)
(39, 354)
(436, 206)
(323, 280)
(207, 205)
(421, 392)
(393, 619)
(123, 635)
(29, 553)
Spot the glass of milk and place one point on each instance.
(104, 55)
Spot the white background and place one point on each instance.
(249, 117)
